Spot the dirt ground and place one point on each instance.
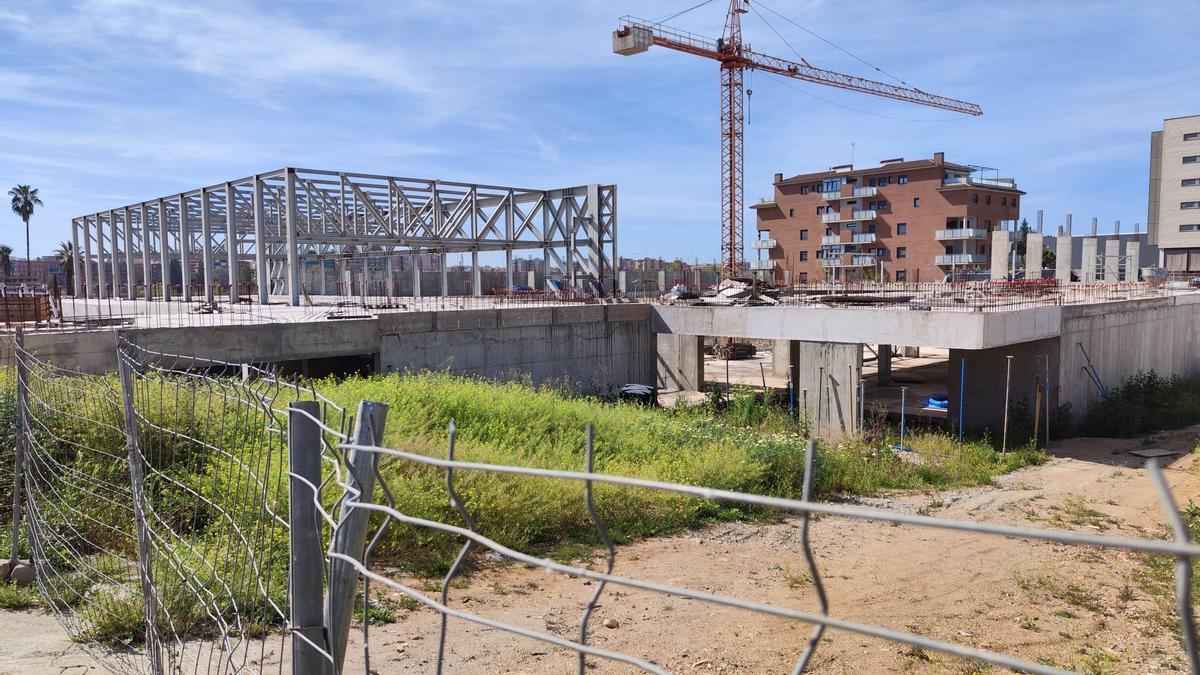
(1090, 610)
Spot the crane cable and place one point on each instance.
(681, 13)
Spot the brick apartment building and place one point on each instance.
(900, 221)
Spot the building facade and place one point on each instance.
(1173, 214)
(900, 221)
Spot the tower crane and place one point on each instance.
(635, 36)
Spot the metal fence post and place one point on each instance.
(138, 483)
(350, 537)
(19, 451)
(306, 573)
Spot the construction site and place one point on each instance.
(216, 377)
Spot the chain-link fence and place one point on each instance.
(192, 515)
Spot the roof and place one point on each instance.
(883, 168)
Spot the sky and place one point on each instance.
(109, 102)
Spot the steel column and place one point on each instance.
(101, 272)
(206, 252)
(260, 244)
(75, 258)
(130, 279)
(293, 246)
(185, 251)
(164, 251)
(231, 240)
(116, 262)
(144, 225)
(87, 258)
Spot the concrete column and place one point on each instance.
(476, 279)
(260, 244)
(824, 379)
(77, 268)
(416, 274)
(983, 377)
(883, 373)
(292, 226)
(531, 279)
(206, 247)
(391, 276)
(231, 240)
(1112, 259)
(680, 362)
(910, 352)
(1133, 260)
(1033, 256)
(508, 270)
(445, 278)
(164, 251)
(101, 274)
(1000, 240)
(1087, 272)
(1062, 257)
(662, 281)
(130, 281)
(185, 251)
(622, 282)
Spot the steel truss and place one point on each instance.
(282, 220)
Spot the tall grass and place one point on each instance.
(1143, 404)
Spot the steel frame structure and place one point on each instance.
(281, 220)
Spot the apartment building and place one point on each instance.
(903, 220)
(1173, 214)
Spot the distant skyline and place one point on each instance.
(108, 102)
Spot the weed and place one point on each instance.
(1066, 614)
(17, 597)
(1126, 594)
(1144, 404)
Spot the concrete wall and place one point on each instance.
(825, 383)
(593, 347)
(983, 382)
(1123, 338)
(680, 362)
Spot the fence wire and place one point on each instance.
(200, 516)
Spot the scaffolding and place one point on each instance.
(279, 222)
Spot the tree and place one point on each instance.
(1022, 233)
(65, 253)
(1049, 259)
(6, 260)
(24, 199)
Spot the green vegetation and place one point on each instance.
(1159, 581)
(1144, 404)
(743, 444)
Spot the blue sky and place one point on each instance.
(107, 102)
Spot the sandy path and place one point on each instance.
(1078, 608)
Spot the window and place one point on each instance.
(883, 206)
(1192, 227)
(803, 235)
(975, 198)
(804, 189)
(949, 250)
(988, 224)
(1004, 201)
(901, 228)
(1190, 182)
(902, 179)
(1189, 205)
(871, 228)
(1193, 136)
(901, 253)
(820, 210)
(885, 180)
(832, 185)
(791, 213)
(1014, 202)
(987, 199)
(916, 202)
(982, 249)
(901, 275)
(828, 231)
(803, 256)
(804, 277)
(870, 205)
(871, 183)
(1192, 159)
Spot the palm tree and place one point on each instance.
(24, 198)
(6, 260)
(65, 253)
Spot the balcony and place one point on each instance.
(765, 203)
(863, 238)
(865, 192)
(829, 196)
(961, 233)
(848, 260)
(961, 259)
(865, 215)
(831, 239)
(759, 265)
(763, 244)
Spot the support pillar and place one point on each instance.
(622, 282)
(475, 277)
(680, 360)
(77, 268)
(1112, 259)
(824, 379)
(662, 281)
(102, 282)
(291, 223)
(114, 255)
(185, 251)
(164, 254)
(1062, 257)
(416, 274)
(1033, 255)
(883, 373)
(1087, 272)
(87, 259)
(130, 278)
(1000, 250)
(206, 252)
(390, 272)
(260, 244)
(231, 240)
(445, 277)
(147, 259)
(508, 270)
(1133, 260)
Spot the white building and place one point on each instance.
(1173, 218)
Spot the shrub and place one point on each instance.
(1144, 404)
